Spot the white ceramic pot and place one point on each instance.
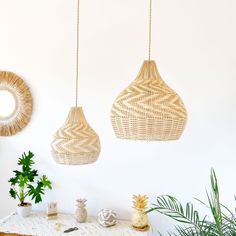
(25, 210)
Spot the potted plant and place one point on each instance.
(27, 183)
(221, 223)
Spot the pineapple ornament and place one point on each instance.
(140, 218)
(81, 212)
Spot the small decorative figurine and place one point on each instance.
(57, 226)
(52, 211)
(107, 217)
(71, 230)
(140, 218)
(81, 212)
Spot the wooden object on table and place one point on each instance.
(52, 211)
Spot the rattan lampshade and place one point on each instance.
(75, 143)
(148, 109)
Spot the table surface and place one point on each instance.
(38, 225)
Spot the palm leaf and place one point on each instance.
(171, 207)
(223, 225)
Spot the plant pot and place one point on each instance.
(25, 210)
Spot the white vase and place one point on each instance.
(25, 210)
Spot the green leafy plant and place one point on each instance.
(26, 182)
(223, 221)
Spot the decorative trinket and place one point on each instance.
(71, 230)
(107, 217)
(52, 211)
(57, 226)
(81, 212)
(140, 218)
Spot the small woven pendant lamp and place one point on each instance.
(76, 143)
(148, 109)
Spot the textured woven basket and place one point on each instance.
(75, 143)
(148, 109)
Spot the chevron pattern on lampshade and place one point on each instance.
(148, 109)
(75, 143)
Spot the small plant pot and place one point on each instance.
(24, 210)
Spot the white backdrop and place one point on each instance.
(194, 47)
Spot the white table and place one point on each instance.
(38, 225)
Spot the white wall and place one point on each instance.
(194, 47)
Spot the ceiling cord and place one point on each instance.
(150, 31)
(77, 54)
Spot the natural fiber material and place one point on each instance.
(75, 143)
(24, 105)
(8, 234)
(148, 109)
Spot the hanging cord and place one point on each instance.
(150, 31)
(77, 54)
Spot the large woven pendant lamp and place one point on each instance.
(76, 143)
(148, 109)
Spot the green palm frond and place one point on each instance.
(223, 224)
(171, 207)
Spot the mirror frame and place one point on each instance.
(24, 104)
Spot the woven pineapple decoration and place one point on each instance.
(148, 109)
(76, 143)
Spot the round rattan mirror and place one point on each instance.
(15, 103)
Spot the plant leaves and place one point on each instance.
(46, 182)
(24, 180)
(36, 193)
(12, 193)
(26, 161)
(222, 225)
